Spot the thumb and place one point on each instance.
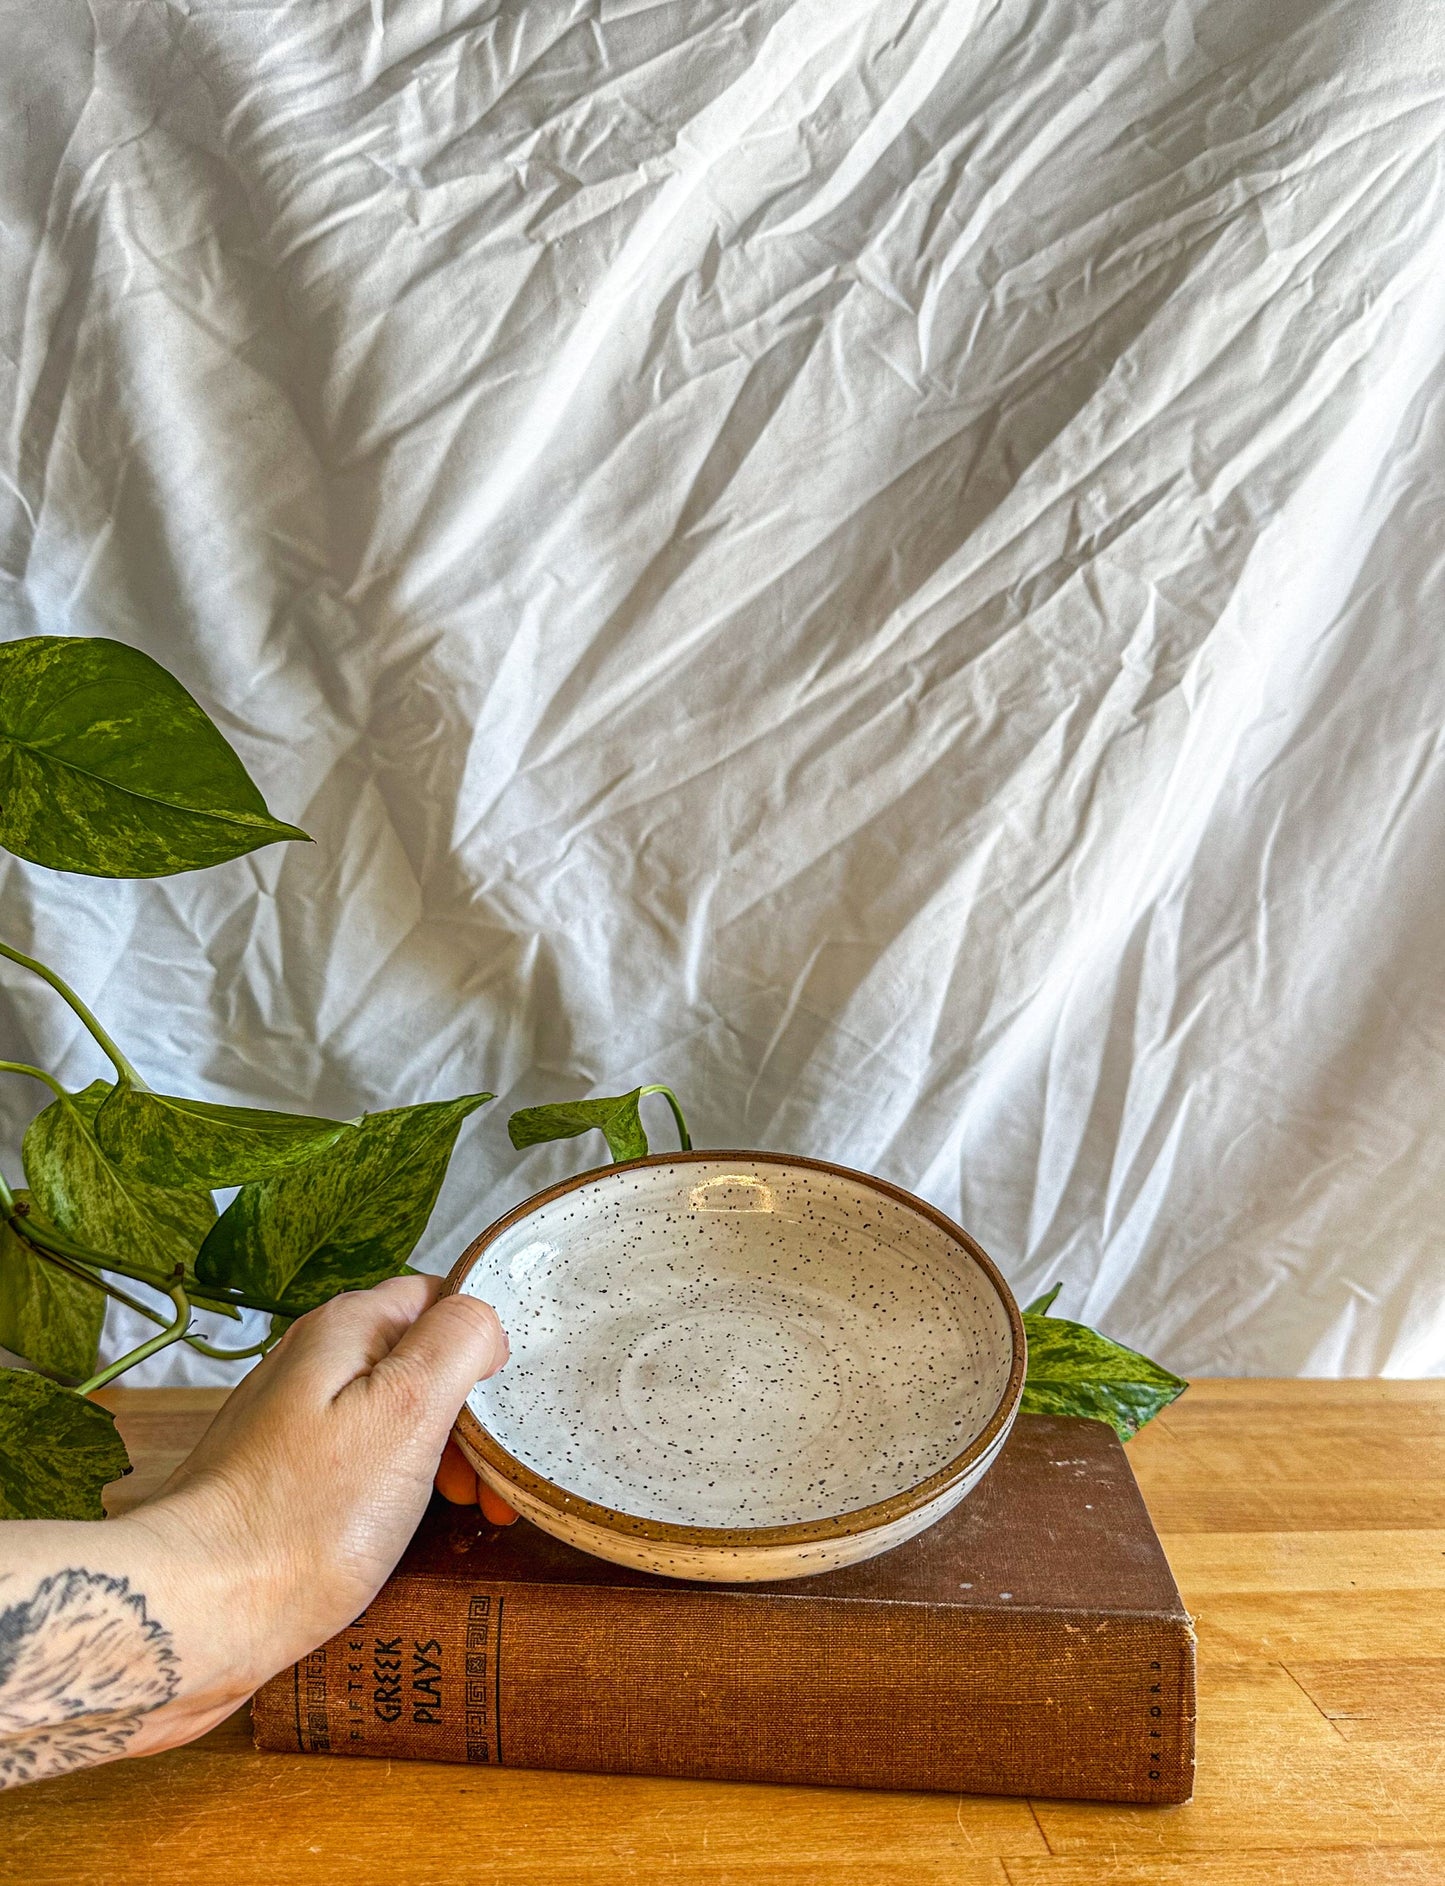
(450, 1347)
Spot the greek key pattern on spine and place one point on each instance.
(318, 1729)
(478, 1679)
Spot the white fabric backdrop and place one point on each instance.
(879, 560)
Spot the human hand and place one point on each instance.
(314, 1474)
(277, 1531)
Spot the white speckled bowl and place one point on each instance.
(738, 1366)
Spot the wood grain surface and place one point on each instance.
(1306, 1525)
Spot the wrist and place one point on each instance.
(128, 1635)
(211, 1595)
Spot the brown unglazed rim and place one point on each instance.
(840, 1525)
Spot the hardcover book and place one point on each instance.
(1033, 1642)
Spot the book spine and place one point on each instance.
(749, 1687)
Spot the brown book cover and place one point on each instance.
(1032, 1642)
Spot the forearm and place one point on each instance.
(117, 1638)
(136, 1634)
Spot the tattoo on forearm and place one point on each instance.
(81, 1663)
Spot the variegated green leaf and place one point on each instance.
(1073, 1370)
(57, 1450)
(171, 1142)
(615, 1116)
(349, 1218)
(109, 768)
(47, 1316)
(86, 1195)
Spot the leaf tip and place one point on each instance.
(283, 831)
(1042, 1305)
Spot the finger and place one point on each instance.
(451, 1347)
(322, 1352)
(456, 1479)
(349, 1334)
(493, 1506)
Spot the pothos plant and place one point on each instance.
(109, 768)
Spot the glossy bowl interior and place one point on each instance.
(722, 1355)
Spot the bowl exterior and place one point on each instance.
(740, 1564)
(742, 1555)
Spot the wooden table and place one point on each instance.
(1306, 1524)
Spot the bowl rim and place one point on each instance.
(860, 1519)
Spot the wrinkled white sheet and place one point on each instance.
(879, 560)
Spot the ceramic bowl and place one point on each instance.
(738, 1366)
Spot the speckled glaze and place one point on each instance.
(738, 1366)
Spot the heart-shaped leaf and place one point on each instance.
(109, 768)
(1073, 1370)
(57, 1450)
(46, 1315)
(170, 1142)
(86, 1195)
(349, 1218)
(616, 1117)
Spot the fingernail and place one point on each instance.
(501, 1348)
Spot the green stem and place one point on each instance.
(176, 1291)
(684, 1138)
(47, 1238)
(63, 989)
(86, 1275)
(36, 1074)
(243, 1300)
(229, 1355)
